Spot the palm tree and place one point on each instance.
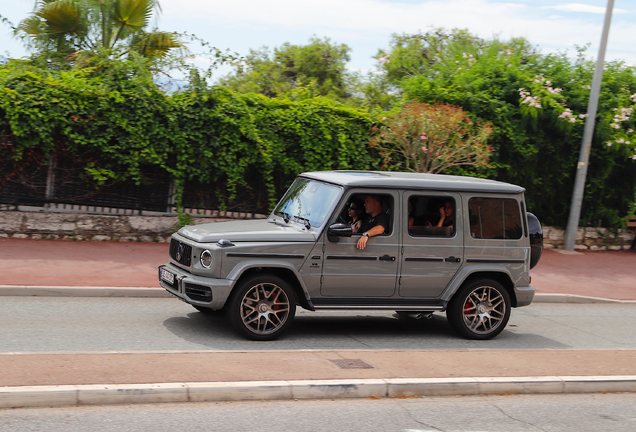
(79, 28)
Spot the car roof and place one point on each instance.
(411, 180)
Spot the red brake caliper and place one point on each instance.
(468, 306)
(275, 306)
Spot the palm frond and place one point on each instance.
(133, 14)
(62, 17)
(157, 43)
(31, 26)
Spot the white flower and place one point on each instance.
(627, 142)
(630, 130)
(620, 140)
(609, 143)
(582, 116)
(615, 125)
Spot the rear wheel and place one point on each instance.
(479, 310)
(262, 307)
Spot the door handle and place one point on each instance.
(387, 258)
(453, 259)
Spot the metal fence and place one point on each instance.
(66, 189)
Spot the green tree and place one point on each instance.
(296, 71)
(536, 104)
(77, 29)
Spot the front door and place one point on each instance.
(433, 250)
(371, 272)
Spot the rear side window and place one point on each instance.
(494, 218)
(431, 216)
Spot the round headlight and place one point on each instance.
(206, 259)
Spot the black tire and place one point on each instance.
(208, 311)
(262, 307)
(479, 310)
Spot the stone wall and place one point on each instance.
(81, 226)
(589, 239)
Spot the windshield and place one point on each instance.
(308, 202)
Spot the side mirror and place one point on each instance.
(339, 230)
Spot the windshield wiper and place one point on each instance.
(286, 216)
(304, 221)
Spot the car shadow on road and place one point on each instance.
(356, 331)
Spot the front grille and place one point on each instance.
(198, 292)
(181, 252)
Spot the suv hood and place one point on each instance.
(260, 230)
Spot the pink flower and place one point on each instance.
(424, 149)
(424, 136)
(383, 118)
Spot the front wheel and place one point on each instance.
(479, 310)
(262, 307)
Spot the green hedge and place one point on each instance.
(114, 122)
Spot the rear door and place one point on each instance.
(431, 255)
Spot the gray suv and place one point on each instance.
(426, 243)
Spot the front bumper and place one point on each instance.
(524, 295)
(196, 290)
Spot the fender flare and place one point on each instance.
(468, 271)
(245, 266)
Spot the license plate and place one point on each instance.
(167, 276)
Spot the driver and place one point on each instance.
(377, 223)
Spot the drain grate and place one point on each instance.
(351, 364)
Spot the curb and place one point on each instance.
(65, 291)
(573, 298)
(82, 395)
(154, 292)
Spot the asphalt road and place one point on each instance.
(64, 324)
(562, 413)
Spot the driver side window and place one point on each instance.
(356, 212)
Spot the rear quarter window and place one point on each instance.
(495, 218)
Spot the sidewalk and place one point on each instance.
(51, 379)
(125, 378)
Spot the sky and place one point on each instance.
(367, 25)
